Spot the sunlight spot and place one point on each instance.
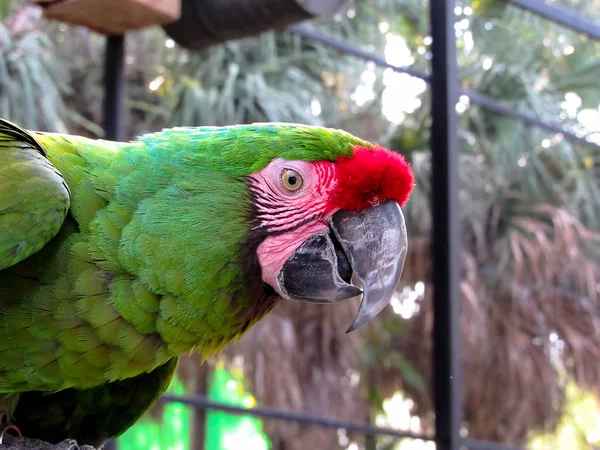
(249, 402)
(590, 119)
(384, 27)
(156, 83)
(546, 143)
(351, 13)
(397, 52)
(463, 104)
(458, 10)
(420, 288)
(362, 95)
(401, 95)
(231, 385)
(571, 104)
(568, 50)
(343, 438)
(489, 25)
(469, 43)
(315, 107)
(487, 63)
(522, 162)
(405, 302)
(368, 77)
(468, 11)
(427, 40)
(169, 43)
(415, 424)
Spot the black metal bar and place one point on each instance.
(350, 49)
(475, 444)
(496, 106)
(446, 239)
(292, 416)
(561, 16)
(114, 88)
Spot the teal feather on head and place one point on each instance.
(240, 150)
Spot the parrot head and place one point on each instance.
(332, 229)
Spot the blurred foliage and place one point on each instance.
(32, 85)
(578, 428)
(530, 199)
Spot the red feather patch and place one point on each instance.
(370, 176)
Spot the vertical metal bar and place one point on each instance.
(445, 228)
(114, 88)
(112, 109)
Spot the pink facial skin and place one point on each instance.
(294, 216)
(354, 182)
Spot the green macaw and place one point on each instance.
(117, 258)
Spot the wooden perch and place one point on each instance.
(15, 443)
(112, 16)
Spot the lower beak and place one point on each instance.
(368, 247)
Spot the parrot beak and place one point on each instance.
(368, 247)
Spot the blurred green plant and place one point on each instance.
(32, 85)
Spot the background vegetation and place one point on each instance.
(530, 200)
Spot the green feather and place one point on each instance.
(144, 267)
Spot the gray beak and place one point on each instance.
(368, 247)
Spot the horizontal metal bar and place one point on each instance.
(476, 444)
(496, 106)
(475, 97)
(350, 49)
(291, 416)
(561, 16)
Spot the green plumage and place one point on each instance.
(117, 258)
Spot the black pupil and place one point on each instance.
(292, 180)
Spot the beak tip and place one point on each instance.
(360, 319)
(351, 328)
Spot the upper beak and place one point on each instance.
(368, 247)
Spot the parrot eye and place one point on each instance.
(291, 180)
